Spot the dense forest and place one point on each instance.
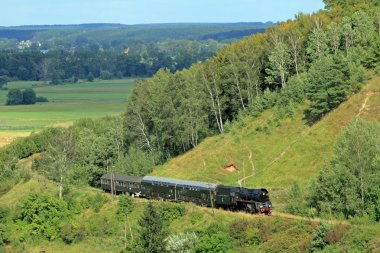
(117, 36)
(318, 60)
(144, 59)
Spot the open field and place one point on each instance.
(67, 103)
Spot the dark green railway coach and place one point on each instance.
(121, 183)
(199, 193)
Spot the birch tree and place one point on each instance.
(211, 81)
(318, 43)
(279, 59)
(295, 40)
(61, 152)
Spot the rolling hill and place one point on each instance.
(273, 156)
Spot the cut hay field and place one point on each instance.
(67, 103)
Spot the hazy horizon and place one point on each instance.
(133, 12)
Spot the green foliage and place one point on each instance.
(18, 97)
(292, 95)
(90, 77)
(279, 61)
(125, 205)
(4, 234)
(102, 225)
(136, 162)
(296, 201)
(169, 212)
(73, 232)
(14, 97)
(41, 99)
(328, 86)
(350, 184)
(319, 241)
(105, 75)
(3, 81)
(152, 232)
(28, 97)
(217, 242)
(44, 215)
(184, 243)
(95, 202)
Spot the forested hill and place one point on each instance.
(118, 35)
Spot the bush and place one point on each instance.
(319, 241)
(28, 97)
(3, 81)
(95, 202)
(4, 234)
(296, 204)
(45, 215)
(170, 212)
(335, 234)
(105, 75)
(184, 242)
(41, 99)
(218, 242)
(14, 97)
(73, 232)
(90, 77)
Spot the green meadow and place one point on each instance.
(67, 103)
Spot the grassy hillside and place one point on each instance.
(67, 103)
(246, 233)
(273, 156)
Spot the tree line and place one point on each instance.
(145, 59)
(320, 57)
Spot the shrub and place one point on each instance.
(28, 97)
(296, 204)
(73, 232)
(95, 202)
(253, 236)
(4, 234)
(184, 242)
(3, 81)
(319, 241)
(105, 75)
(170, 212)
(237, 230)
(41, 99)
(45, 215)
(14, 97)
(218, 242)
(335, 234)
(90, 77)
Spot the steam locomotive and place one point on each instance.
(200, 193)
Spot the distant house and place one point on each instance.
(126, 50)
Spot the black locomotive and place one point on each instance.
(200, 193)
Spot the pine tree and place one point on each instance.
(152, 232)
(319, 241)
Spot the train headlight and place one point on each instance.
(261, 206)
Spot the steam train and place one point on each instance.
(255, 201)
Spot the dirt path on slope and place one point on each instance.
(302, 135)
(364, 105)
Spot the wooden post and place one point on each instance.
(112, 186)
(212, 202)
(125, 230)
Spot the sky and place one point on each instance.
(42, 12)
